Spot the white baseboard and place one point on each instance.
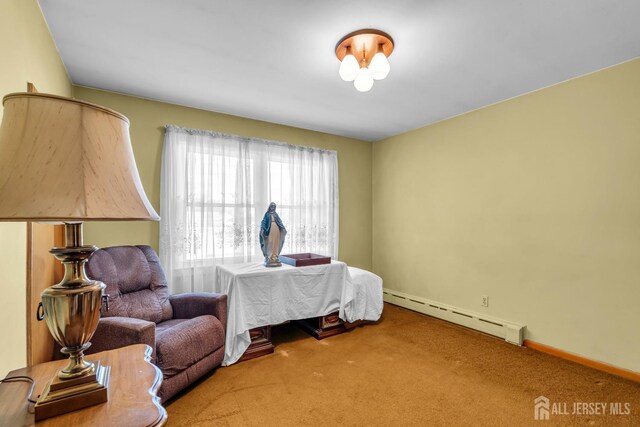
(511, 332)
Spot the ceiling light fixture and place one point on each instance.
(363, 55)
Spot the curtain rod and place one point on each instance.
(178, 129)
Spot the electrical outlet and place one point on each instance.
(484, 300)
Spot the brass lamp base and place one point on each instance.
(72, 310)
(62, 396)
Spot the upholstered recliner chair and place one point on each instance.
(186, 331)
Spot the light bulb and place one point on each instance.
(364, 81)
(349, 68)
(379, 66)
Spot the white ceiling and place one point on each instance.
(274, 60)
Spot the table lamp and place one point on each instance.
(68, 161)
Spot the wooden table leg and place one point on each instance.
(323, 326)
(260, 343)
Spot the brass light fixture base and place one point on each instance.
(363, 44)
(61, 396)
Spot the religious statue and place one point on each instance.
(272, 234)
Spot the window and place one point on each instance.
(215, 188)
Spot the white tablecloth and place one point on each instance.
(260, 296)
(363, 299)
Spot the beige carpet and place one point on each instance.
(407, 369)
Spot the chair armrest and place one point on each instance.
(190, 305)
(115, 332)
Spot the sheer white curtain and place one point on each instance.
(216, 187)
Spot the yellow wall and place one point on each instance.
(147, 132)
(28, 54)
(535, 202)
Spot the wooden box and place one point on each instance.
(303, 260)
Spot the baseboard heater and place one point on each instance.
(509, 331)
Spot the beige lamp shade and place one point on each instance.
(67, 160)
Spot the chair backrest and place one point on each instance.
(136, 284)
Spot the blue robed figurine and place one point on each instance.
(272, 234)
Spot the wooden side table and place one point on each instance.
(132, 393)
